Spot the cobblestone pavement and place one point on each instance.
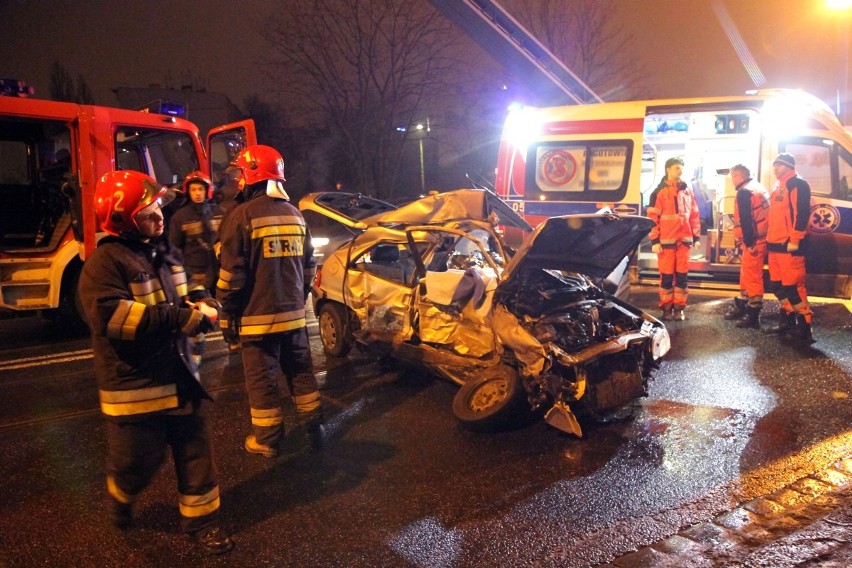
(807, 523)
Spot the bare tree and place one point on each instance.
(366, 68)
(580, 34)
(63, 88)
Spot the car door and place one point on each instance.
(457, 277)
(380, 290)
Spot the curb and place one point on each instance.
(809, 519)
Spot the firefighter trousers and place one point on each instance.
(264, 359)
(138, 448)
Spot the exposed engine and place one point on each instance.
(595, 352)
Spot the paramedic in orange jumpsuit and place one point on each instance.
(677, 228)
(786, 242)
(751, 221)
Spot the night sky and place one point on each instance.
(795, 43)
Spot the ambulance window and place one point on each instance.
(581, 170)
(845, 170)
(813, 162)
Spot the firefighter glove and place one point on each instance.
(230, 333)
(696, 243)
(656, 248)
(792, 247)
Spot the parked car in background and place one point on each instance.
(432, 283)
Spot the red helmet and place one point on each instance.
(259, 163)
(119, 196)
(198, 177)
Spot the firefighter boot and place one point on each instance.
(213, 540)
(678, 313)
(252, 446)
(751, 318)
(785, 323)
(314, 425)
(737, 310)
(801, 330)
(122, 515)
(667, 313)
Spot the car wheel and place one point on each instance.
(334, 329)
(491, 401)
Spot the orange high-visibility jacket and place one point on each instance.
(751, 212)
(675, 214)
(789, 211)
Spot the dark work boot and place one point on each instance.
(213, 540)
(122, 515)
(785, 323)
(314, 424)
(801, 330)
(751, 318)
(736, 310)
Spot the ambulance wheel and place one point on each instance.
(334, 329)
(491, 401)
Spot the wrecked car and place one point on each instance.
(522, 332)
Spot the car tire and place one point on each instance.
(493, 400)
(334, 329)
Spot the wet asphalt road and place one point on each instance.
(731, 415)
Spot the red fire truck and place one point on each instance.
(51, 155)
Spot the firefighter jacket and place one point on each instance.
(751, 213)
(789, 212)
(194, 229)
(133, 299)
(675, 213)
(267, 265)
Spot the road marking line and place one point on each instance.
(45, 360)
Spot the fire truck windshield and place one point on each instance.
(166, 155)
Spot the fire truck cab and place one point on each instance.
(51, 156)
(580, 158)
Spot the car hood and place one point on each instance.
(455, 205)
(593, 245)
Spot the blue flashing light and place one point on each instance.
(15, 88)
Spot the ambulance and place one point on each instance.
(582, 158)
(51, 155)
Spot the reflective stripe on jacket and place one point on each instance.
(789, 211)
(675, 213)
(266, 261)
(132, 294)
(751, 212)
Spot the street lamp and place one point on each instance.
(423, 129)
(843, 90)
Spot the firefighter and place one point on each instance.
(267, 266)
(786, 243)
(677, 228)
(134, 293)
(751, 220)
(194, 229)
